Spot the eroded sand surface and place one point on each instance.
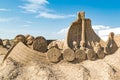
(102, 69)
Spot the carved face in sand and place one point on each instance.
(82, 44)
(75, 44)
(111, 35)
(6, 42)
(30, 40)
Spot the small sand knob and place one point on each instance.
(81, 15)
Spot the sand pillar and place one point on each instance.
(82, 42)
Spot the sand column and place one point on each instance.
(82, 42)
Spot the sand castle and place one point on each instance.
(81, 43)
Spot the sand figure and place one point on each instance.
(3, 50)
(27, 35)
(17, 39)
(6, 43)
(82, 42)
(20, 38)
(23, 54)
(82, 46)
(68, 55)
(40, 44)
(75, 44)
(99, 51)
(1, 43)
(111, 44)
(30, 41)
(53, 44)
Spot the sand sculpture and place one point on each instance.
(68, 55)
(1, 42)
(82, 32)
(29, 41)
(6, 43)
(52, 45)
(53, 55)
(111, 44)
(20, 38)
(80, 55)
(82, 43)
(99, 51)
(40, 44)
(56, 43)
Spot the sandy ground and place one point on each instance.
(102, 69)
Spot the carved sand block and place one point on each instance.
(106, 50)
(3, 50)
(80, 55)
(117, 39)
(20, 38)
(99, 51)
(53, 44)
(27, 35)
(1, 42)
(91, 54)
(30, 40)
(68, 55)
(6, 43)
(100, 54)
(111, 44)
(22, 54)
(40, 44)
(75, 45)
(53, 55)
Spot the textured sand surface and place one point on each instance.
(102, 69)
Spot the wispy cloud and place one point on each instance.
(101, 30)
(4, 9)
(97, 28)
(5, 19)
(35, 6)
(104, 33)
(26, 25)
(53, 16)
(39, 7)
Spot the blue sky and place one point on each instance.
(51, 18)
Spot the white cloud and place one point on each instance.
(104, 33)
(5, 19)
(54, 16)
(101, 30)
(4, 9)
(34, 5)
(97, 28)
(26, 25)
(39, 7)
